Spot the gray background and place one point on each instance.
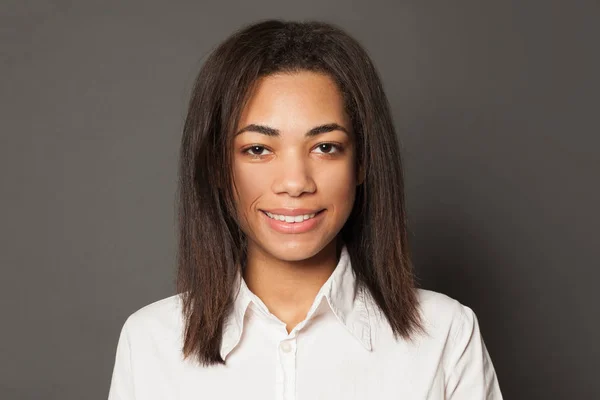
(496, 105)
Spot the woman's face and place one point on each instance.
(294, 158)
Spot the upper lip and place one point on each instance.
(292, 212)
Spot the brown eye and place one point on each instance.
(255, 150)
(328, 148)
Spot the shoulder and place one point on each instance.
(443, 318)
(431, 301)
(160, 319)
(467, 364)
(444, 314)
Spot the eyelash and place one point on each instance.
(246, 150)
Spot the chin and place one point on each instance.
(294, 250)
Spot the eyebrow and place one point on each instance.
(317, 130)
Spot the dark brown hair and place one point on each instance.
(211, 244)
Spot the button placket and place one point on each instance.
(286, 347)
(287, 357)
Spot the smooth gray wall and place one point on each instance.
(496, 105)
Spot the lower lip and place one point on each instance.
(294, 227)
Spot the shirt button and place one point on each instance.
(286, 347)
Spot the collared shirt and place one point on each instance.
(343, 349)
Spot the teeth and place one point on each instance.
(287, 218)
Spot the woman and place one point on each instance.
(294, 275)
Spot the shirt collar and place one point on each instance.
(345, 298)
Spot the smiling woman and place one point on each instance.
(294, 273)
(301, 146)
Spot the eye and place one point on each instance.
(329, 148)
(255, 151)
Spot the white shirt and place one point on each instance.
(344, 349)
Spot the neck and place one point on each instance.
(288, 288)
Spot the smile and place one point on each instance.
(290, 218)
(294, 224)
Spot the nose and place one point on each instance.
(294, 177)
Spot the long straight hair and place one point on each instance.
(211, 245)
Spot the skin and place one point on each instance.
(292, 170)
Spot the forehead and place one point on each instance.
(295, 100)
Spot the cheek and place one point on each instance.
(249, 188)
(339, 185)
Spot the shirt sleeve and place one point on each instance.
(471, 374)
(121, 386)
